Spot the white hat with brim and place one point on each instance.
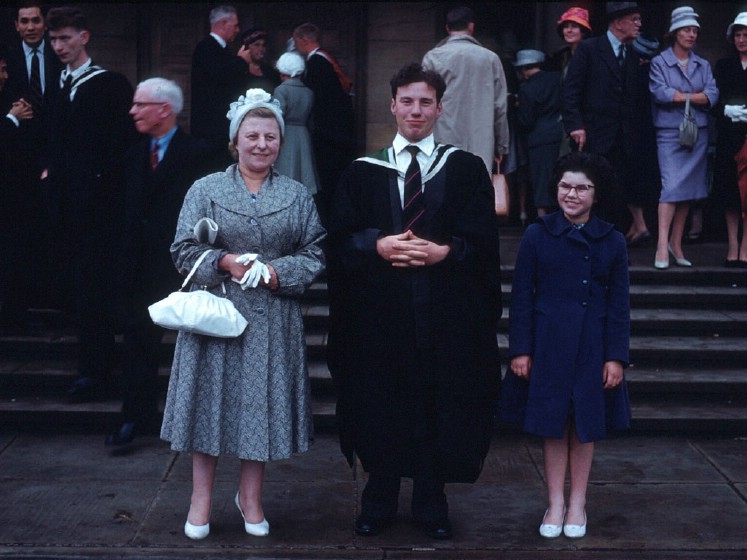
(683, 17)
(740, 20)
(529, 57)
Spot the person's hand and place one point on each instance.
(498, 160)
(612, 374)
(522, 365)
(732, 112)
(402, 250)
(741, 115)
(243, 53)
(434, 253)
(579, 137)
(22, 110)
(257, 271)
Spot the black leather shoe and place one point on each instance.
(370, 526)
(123, 436)
(440, 530)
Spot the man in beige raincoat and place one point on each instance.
(475, 89)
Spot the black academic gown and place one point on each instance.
(390, 408)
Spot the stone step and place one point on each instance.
(729, 293)
(652, 321)
(697, 415)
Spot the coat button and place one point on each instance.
(253, 222)
(586, 257)
(259, 311)
(584, 304)
(584, 282)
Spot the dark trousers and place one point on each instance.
(140, 371)
(381, 495)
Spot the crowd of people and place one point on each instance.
(623, 96)
(265, 193)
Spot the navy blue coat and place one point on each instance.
(570, 311)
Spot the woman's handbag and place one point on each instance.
(501, 194)
(198, 311)
(688, 127)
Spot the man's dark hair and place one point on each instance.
(66, 16)
(459, 18)
(414, 72)
(29, 4)
(595, 167)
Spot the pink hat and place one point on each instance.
(577, 15)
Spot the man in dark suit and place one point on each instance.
(33, 72)
(13, 113)
(332, 128)
(159, 171)
(600, 93)
(89, 132)
(218, 78)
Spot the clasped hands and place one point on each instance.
(406, 250)
(247, 270)
(612, 372)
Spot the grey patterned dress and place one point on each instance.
(248, 396)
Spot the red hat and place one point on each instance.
(576, 15)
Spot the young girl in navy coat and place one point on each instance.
(569, 332)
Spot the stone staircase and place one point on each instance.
(688, 352)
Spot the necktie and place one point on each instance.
(414, 205)
(67, 87)
(154, 155)
(35, 81)
(621, 55)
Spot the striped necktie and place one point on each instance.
(154, 155)
(414, 205)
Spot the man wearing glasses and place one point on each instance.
(600, 93)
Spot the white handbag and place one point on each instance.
(198, 311)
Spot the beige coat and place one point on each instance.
(474, 116)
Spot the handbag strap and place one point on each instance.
(194, 268)
(687, 103)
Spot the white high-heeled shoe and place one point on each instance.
(261, 529)
(196, 532)
(575, 531)
(548, 530)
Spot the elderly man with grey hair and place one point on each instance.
(159, 171)
(218, 77)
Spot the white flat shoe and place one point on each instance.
(196, 532)
(550, 531)
(680, 262)
(261, 529)
(575, 531)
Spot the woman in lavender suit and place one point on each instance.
(676, 74)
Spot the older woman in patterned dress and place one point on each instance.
(248, 396)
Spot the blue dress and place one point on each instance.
(570, 311)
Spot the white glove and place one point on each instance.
(733, 112)
(741, 117)
(257, 271)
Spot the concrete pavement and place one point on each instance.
(67, 496)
